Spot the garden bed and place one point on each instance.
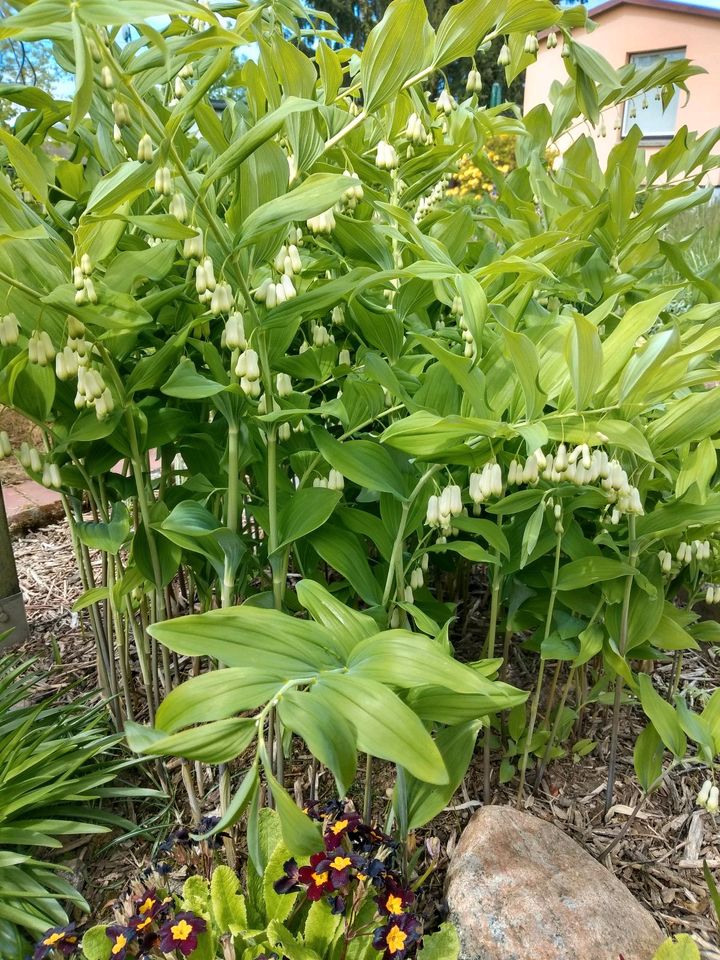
(659, 858)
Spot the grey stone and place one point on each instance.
(518, 888)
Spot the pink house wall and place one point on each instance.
(629, 29)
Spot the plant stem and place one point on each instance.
(617, 702)
(490, 653)
(367, 795)
(541, 673)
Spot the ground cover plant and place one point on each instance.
(298, 393)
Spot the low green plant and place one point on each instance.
(58, 765)
(348, 901)
(340, 682)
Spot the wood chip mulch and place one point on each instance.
(660, 857)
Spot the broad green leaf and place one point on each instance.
(305, 511)
(27, 166)
(228, 904)
(301, 835)
(584, 359)
(662, 716)
(456, 745)
(187, 384)
(361, 461)
(106, 536)
(349, 626)
(215, 742)
(463, 29)
(680, 947)
(444, 944)
(331, 739)
(396, 49)
(384, 725)
(248, 142)
(319, 192)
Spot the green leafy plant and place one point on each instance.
(57, 765)
(281, 348)
(340, 683)
(347, 900)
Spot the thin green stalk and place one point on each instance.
(367, 793)
(490, 653)
(622, 647)
(555, 727)
(541, 673)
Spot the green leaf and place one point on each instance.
(268, 639)
(305, 511)
(321, 927)
(396, 49)
(106, 536)
(319, 192)
(405, 659)
(301, 835)
(247, 143)
(329, 738)
(362, 461)
(680, 947)
(215, 742)
(187, 384)
(463, 29)
(648, 757)
(228, 905)
(345, 553)
(384, 725)
(531, 533)
(456, 745)
(444, 944)
(584, 358)
(96, 944)
(588, 570)
(26, 164)
(662, 716)
(349, 626)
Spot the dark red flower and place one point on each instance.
(149, 904)
(289, 882)
(337, 904)
(346, 823)
(181, 933)
(63, 939)
(394, 899)
(316, 877)
(120, 938)
(398, 937)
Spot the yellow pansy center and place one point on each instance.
(144, 923)
(120, 944)
(394, 904)
(362, 877)
(53, 939)
(339, 863)
(320, 878)
(181, 930)
(339, 826)
(396, 940)
(148, 905)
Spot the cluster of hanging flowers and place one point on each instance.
(709, 797)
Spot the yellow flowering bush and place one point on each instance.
(471, 179)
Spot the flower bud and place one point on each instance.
(323, 223)
(336, 481)
(5, 445)
(710, 593)
(235, 332)
(531, 44)
(284, 432)
(193, 246)
(704, 794)
(178, 208)
(283, 384)
(504, 57)
(408, 595)
(713, 803)
(35, 461)
(561, 459)
(106, 77)
(386, 157)
(474, 81)
(433, 511)
(104, 405)
(344, 359)
(145, 149)
(163, 181)
(9, 330)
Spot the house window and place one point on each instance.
(655, 123)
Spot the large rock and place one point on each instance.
(519, 888)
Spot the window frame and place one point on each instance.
(651, 139)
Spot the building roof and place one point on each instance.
(669, 5)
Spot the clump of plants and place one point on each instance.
(347, 900)
(301, 402)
